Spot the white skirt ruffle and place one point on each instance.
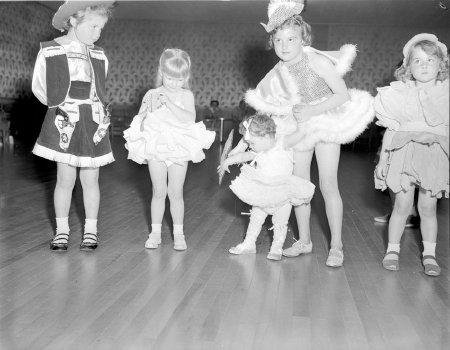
(165, 139)
(268, 192)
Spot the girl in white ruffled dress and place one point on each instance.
(267, 183)
(164, 135)
(414, 153)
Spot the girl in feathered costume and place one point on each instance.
(414, 153)
(307, 84)
(165, 135)
(267, 183)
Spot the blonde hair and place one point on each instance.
(260, 125)
(403, 73)
(294, 21)
(175, 63)
(100, 10)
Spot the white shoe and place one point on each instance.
(335, 258)
(297, 249)
(179, 242)
(153, 241)
(243, 248)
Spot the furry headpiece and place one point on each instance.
(280, 10)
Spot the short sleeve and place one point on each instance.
(39, 80)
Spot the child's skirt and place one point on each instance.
(76, 133)
(162, 137)
(256, 189)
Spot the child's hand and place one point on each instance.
(303, 112)
(380, 170)
(163, 98)
(222, 168)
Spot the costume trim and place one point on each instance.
(53, 51)
(97, 54)
(70, 159)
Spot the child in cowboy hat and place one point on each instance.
(69, 77)
(307, 87)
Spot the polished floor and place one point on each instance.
(123, 296)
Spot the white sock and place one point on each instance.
(90, 226)
(393, 247)
(429, 248)
(62, 225)
(177, 229)
(156, 229)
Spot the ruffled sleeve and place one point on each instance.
(435, 103)
(389, 105)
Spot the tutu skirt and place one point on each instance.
(162, 137)
(340, 125)
(256, 189)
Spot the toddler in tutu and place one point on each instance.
(414, 153)
(165, 136)
(267, 183)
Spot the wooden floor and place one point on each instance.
(123, 296)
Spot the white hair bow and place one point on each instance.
(246, 125)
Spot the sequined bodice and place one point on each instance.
(310, 85)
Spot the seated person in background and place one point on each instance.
(213, 113)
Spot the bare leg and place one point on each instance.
(302, 168)
(158, 175)
(91, 191)
(177, 175)
(327, 155)
(62, 197)
(65, 181)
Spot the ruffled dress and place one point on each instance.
(268, 181)
(418, 153)
(283, 87)
(163, 137)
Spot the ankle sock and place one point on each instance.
(177, 229)
(429, 248)
(393, 247)
(62, 225)
(156, 229)
(90, 226)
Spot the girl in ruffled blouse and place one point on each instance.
(415, 111)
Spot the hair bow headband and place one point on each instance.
(246, 124)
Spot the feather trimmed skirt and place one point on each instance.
(340, 125)
(258, 190)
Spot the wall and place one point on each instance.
(227, 58)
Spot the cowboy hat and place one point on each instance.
(70, 8)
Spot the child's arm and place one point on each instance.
(380, 168)
(237, 158)
(39, 82)
(325, 69)
(240, 147)
(186, 114)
